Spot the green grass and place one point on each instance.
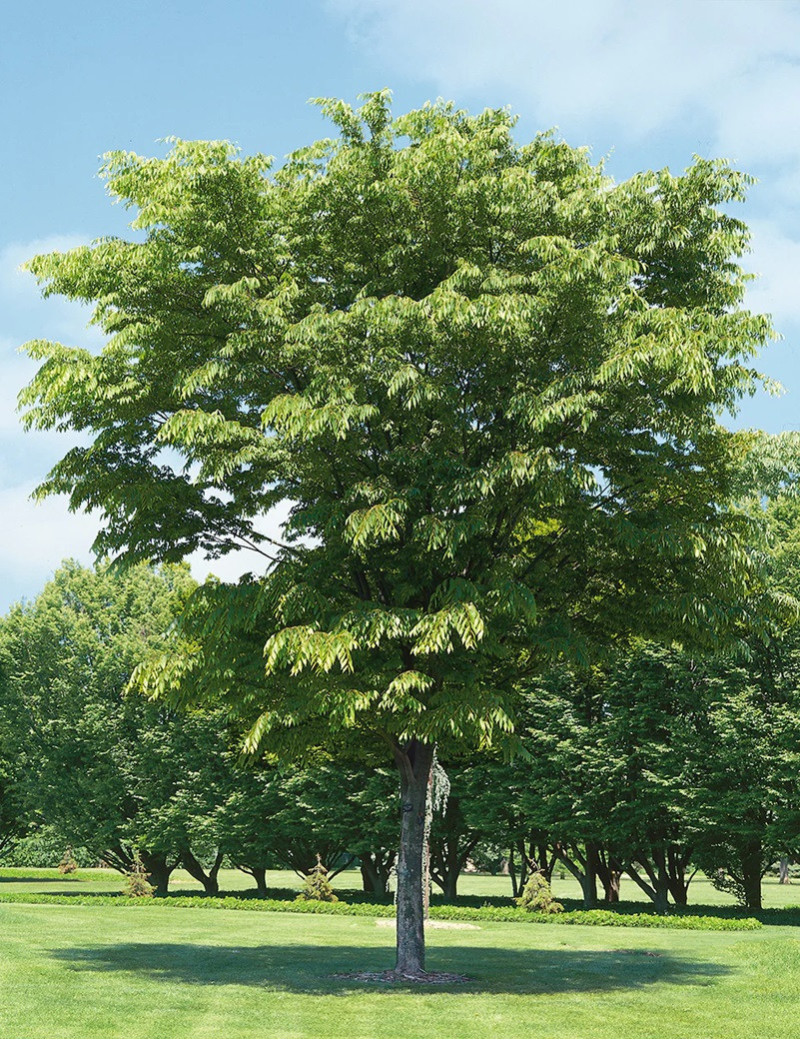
(701, 892)
(98, 971)
(506, 914)
(73, 971)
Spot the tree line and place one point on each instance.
(653, 762)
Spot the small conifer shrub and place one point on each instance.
(67, 864)
(136, 883)
(316, 885)
(537, 896)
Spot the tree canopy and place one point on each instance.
(487, 380)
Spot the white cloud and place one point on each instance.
(235, 564)
(35, 538)
(14, 282)
(776, 260)
(720, 78)
(633, 68)
(15, 371)
(24, 314)
(639, 64)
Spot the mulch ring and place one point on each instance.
(430, 978)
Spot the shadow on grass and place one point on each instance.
(308, 969)
(43, 881)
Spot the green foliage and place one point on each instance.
(285, 816)
(486, 380)
(137, 885)
(316, 886)
(97, 767)
(465, 362)
(44, 845)
(728, 883)
(537, 896)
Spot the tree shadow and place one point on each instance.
(310, 968)
(44, 881)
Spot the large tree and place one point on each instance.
(487, 381)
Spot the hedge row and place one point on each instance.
(602, 918)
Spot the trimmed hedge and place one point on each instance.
(602, 918)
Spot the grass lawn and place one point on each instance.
(21, 879)
(78, 971)
(99, 972)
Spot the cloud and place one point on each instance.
(656, 81)
(235, 564)
(24, 314)
(776, 260)
(635, 67)
(35, 538)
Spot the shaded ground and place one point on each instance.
(91, 972)
(313, 968)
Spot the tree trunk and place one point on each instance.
(259, 875)
(658, 887)
(679, 890)
(783, 872)
(611, 881)
(661, 899)
(376, 869)
(158, 872)
(751, 877)
(414, 763)
(260, 878)
(449, 885)
(369, 876)
(609, 871)
(512, 873)
(678, 862)
(209, 880)
(524, 866)
(583, 869)
(545, 862)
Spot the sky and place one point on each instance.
(644, 85)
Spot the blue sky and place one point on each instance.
(646, 84)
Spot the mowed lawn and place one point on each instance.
(162, 972)
(701, 891)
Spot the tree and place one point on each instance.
(487, 381)
(12, 820)
(614, 751)
(465, 819)
(114, 773)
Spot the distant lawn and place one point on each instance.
(701, 891)
(89, 972)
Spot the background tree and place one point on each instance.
(486, 379)
(113, 772)
(465, 820)
(12, 820)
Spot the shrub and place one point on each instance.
(43, 848)
(67, 864)
(316, 886)
(136, 882)
(537, 896)
(725, 882)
